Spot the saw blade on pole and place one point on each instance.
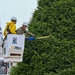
(42, 37)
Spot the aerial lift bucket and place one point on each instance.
(13, 48)
(1, 40)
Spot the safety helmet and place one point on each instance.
(25, 23)
(13, 18)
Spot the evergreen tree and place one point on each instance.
(54, 55)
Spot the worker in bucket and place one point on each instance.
(23, 30)
(10, 27)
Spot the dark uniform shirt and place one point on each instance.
(21, 31)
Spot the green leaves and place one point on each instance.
(54, 55)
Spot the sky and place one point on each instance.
(22, 9)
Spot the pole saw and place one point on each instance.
(33, 38)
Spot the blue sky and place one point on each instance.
(22, 9)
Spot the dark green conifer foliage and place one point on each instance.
(54, 55)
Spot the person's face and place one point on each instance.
(14, 21)
(24, 27)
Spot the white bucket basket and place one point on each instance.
(14, 48)
(0, 50)
(1, 41)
